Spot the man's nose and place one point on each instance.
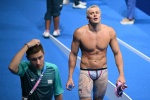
(95, 14)
(38, 61)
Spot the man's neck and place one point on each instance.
(95, 27)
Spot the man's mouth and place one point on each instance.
(95, 18)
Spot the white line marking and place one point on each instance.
(134, 50)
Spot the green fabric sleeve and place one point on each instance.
(22, 68)
(57, 82)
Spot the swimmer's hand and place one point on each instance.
(70, 85)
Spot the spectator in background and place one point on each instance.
(131, 4)
(79, 4)
(53, 10)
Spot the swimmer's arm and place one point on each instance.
(118, 56)
(73, 54)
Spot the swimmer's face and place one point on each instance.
(94, 15)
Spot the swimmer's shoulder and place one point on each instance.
(106, 27)
(81, 30)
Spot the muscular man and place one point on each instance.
(93, 40)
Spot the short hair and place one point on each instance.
(34, 49)
(93, 6)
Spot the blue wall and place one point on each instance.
(144, 5)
